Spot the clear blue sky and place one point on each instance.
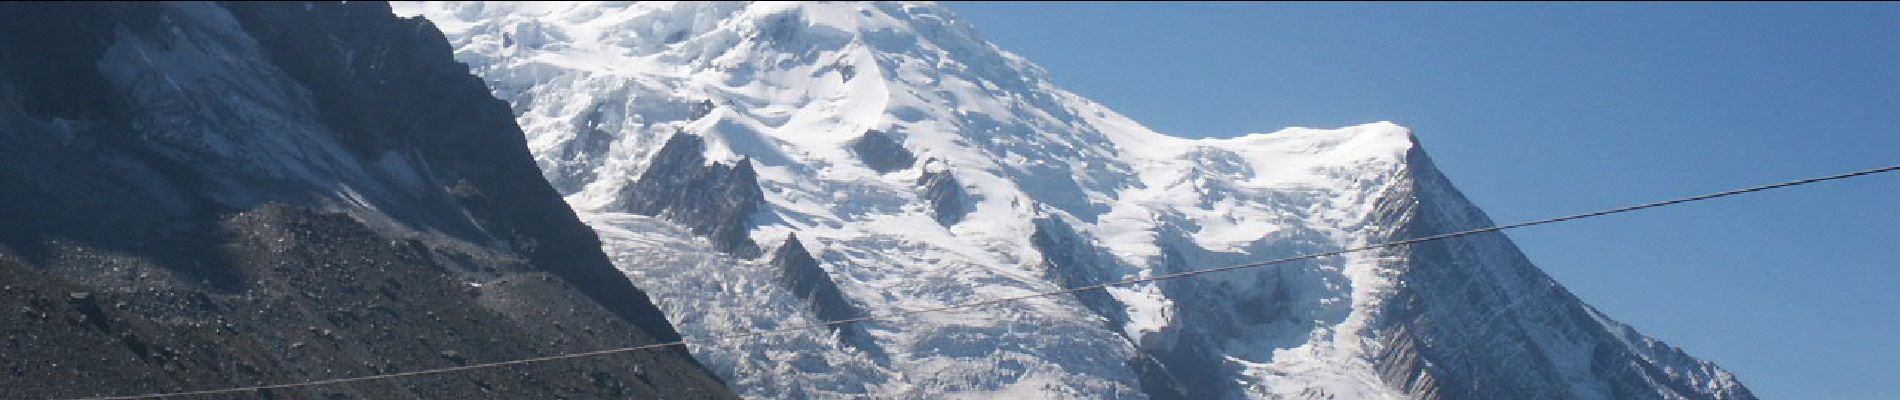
(1547, 109)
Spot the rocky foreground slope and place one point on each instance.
(206, 195)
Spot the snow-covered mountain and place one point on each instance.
(762, 165)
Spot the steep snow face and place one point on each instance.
(922, 166)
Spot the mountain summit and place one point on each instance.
(762, 165)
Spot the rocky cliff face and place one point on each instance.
(883, 154)
(208, 195)
(1022, 187)
(945, 196)
(716, 200)
(1457, 297)
(802, 275)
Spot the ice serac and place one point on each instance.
(206, 196)
(921, 166)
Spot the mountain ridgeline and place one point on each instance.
(831, 160)
(208, 195)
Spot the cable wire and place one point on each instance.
(1002, 300)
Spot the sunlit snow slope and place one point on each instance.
(918, 165)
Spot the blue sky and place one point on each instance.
(1547, 109)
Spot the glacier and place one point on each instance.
(921, 166)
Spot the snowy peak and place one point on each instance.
(919, 166)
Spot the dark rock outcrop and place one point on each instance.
(1071, 261)
(882, 153)
(713, 200)
(800, 273)
(948, 202)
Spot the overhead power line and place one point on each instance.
(1002, 300)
